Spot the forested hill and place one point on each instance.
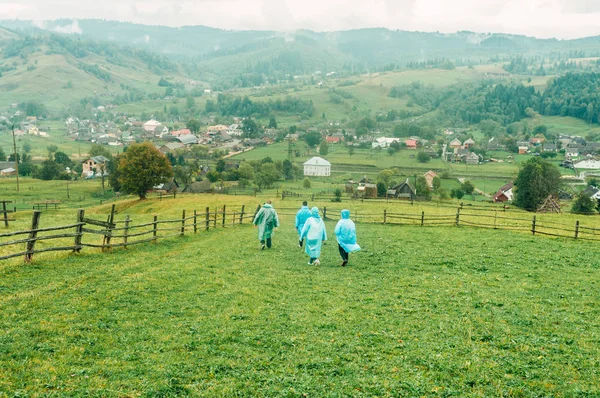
(59, 70)
(303, 51)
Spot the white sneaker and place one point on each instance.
(317, 262)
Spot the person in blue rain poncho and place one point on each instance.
(301, 217)
(266, 220)
(345, 232)
(315, 234)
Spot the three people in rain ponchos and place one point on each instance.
(315, 234)
(301, 217)
(345, 232)
(266, 220)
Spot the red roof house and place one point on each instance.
(411, 144)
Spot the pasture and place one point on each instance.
(419, 312)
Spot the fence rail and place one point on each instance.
(89, 232)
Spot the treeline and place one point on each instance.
(228, 105)
(574, 94)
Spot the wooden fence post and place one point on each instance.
(160, 196)
(155, 228)
(457, 217)
(224, 214)
(215, 218)
(533, 226)
(242, 214)
(35, 222)
(577, 229)
(183, 223)
(324, 213)
(422, 218)
(111, 225)
(5, 214)
(495, 217)
(195, 221)
(207, 218)
(233, 218)
(79, 230)
(384, 216)
(126, 231)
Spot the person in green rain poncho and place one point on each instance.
(301, 217)
(266, 220)
(315, 234)
(345, 232)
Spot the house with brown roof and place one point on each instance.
(504, 194)
(429, 176)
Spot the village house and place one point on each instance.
(317, 167)
(383, 142)
(170, 147)
(94, 166)
(504, 194)
(9, 171)
(473, 158)
(591, 192)
(151, 126)
(469, 143)
(411, 144)
(429, 176)
(590, 163)
(548, 147)
(188, 139)
(455, 144)
(403, 191)
(177, 133)
(332, 140)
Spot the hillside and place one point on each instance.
(209, 314)
(351, 51)
(59, 71)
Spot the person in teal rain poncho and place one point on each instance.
(345, 232)
(301, 217)
(315, 234)
(266, 220)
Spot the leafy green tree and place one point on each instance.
(536, 180)
(422, 187)
(468, 187)
(540, 129)
(143, 167)
(63, 159)
(27, 147)
(457, 193)
(272, 122)
(50, 170)
(99, 150)
(583, 205)
(386, 176)
(381, 188)
(350, 150)
(423, 157)
(337, 193)
(193, 125)
(306, 183)
(250, 128)
(312, 138)
(437, 183)
(323, 148)
(288, 170)
(112, 167)
(391, 151)
(221, 165)
(51, 149)
(267, 175)
(246, 171)
(2, 155)
(190, 102)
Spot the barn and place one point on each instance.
(317, 167)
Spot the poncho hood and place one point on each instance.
(315, 212)
(345, 214)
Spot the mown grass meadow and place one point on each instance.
(419, 312)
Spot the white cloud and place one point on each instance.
(71, 29)
(542, 18)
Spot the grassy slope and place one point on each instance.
(506, 314)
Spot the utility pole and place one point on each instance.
(16, 155)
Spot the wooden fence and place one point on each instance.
(6, 212)
(109, 234)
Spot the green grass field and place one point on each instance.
(419, 312)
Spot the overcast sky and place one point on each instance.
(541, 18)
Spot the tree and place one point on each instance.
(113, 173)
(2, 155)
(267, 175)
(468, 187)
(391, 151)
(288, 170)
(99, 150)
(250, 128)
(193, 125)
(381, 189)
(220, 167)
(51, 149)
(143, 167)
(246, 171)
(323, 148)
(27, 147)
(62, 158)
(437, 183)
(540, 129)
(190, 102)
(306, 183)
(312, 138)
(337, 193)
(584, 205)
(272, 122)
(350, 150)
(50, 170)
(536, 180)
(422, 187)
(423, 157)
(457, 193)
(386, 176)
